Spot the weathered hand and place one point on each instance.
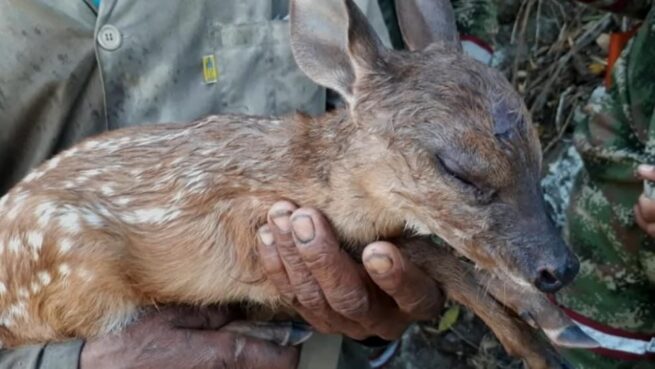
(332, 292)
(645, 208)
(180, 338)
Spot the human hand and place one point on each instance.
(645, 207)
(181, 338)
(302, 257)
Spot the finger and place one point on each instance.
(304, 286)
(646, 172)
(283, 333)
(238, 351)
(647, 208)
(415, 293)
(643, 224)
(207, 317)
(339, 277)
(272, 262)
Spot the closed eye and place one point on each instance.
(482, 195)
(448, 169)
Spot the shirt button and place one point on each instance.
(109, 37)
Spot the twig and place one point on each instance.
(466, 340)
(521, 44)
(537, 32)
(560, 107)
(585, 39)
(560, 134)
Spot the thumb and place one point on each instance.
(646, 172)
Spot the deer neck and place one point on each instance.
(325, 166)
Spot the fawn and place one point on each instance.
(430, 142)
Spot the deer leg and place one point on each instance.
(460, 282)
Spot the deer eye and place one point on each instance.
(453, 171)
(481, 195)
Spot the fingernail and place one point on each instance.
(303, 228)
(644, 168)
(379, 263)
(265, 235)
(281, 220)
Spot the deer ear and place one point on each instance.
(333, 43)
(423, 22)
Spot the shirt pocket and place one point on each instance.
(258, 74)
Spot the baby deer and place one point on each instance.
(430, 142)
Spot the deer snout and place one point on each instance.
(551, 276)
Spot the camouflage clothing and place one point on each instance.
(477, 18)
(616, 284)
(635, 8)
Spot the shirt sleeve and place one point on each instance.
(65, 355)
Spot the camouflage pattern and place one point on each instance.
(635, 8)
(476, 18)
(616, 284)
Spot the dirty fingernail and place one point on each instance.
(281, 220)
(265, 235)
(303, 228)
(379, 263)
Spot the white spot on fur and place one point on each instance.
(123, 201)
(35, 240)
(44, 277)
(86, 175)
(152, 216)
(70, 152)
(35, 288)
(14, 245)
(6, 321)
(3, 201)
(18, 309)
(90, 145)
(70, 221)
(107, 190)
(68, 185)
(3, 288)
(44, 212)
(33, 175)
(53, 163)
(93, 219)
(65, 245)
(85, 274)
(23, 293)
(64, 270)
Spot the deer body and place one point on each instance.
(179, 226)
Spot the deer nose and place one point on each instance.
(552, 278)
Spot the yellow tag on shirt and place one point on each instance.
(209, 69)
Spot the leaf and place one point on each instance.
(596, 68)
(448, 319)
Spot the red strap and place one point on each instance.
(478, 42)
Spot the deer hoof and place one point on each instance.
(571, 337)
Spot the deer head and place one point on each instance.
(440, 141)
